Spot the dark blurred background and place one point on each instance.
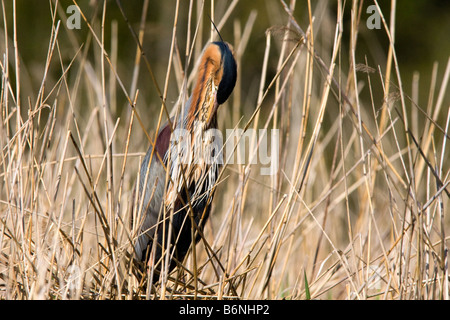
(421, 36)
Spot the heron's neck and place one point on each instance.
(204, 96)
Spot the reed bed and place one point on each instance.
(358, 208)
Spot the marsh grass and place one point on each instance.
(357, 210)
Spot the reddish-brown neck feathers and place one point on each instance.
(210, 72)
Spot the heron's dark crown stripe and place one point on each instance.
(229, 75)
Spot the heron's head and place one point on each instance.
(216, 78)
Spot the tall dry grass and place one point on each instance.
(357, 210)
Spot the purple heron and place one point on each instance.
(171, 213)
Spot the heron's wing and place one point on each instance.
(152, 185)
(151, 191)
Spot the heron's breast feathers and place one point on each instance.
(195, 163)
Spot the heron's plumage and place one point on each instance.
(191, 176)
